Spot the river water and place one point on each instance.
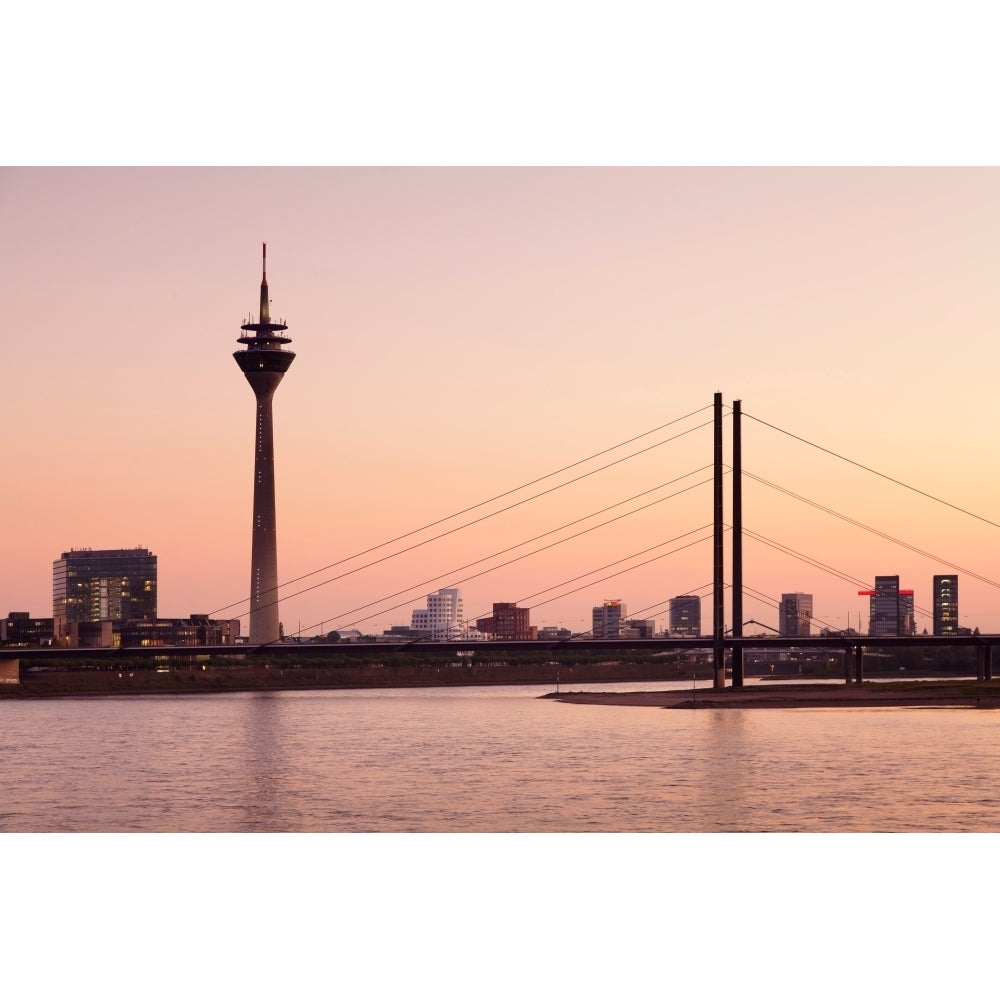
(487, 759)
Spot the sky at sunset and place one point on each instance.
(462, 331)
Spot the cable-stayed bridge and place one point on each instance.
(724, 644)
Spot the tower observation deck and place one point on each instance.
(264, 362)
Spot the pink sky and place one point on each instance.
(460, 331)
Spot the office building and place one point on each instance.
(554, 632)
(102, 585)
(890, 610)
(198, 630)
(443, 616)
(20, 629)
(264, 362)
(607, 620)
(795, 615)
(907, 620)
(508, 621)
(945, 605)
(685, 616)
(639, 628)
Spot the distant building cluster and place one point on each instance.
(610, 621)
(443, 619)
(891, 609)
(106, 598)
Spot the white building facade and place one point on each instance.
(444, 616)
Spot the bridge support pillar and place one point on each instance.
(10, 670)
(859, 664)
(719, 669)
(847, 660)
(984, 663)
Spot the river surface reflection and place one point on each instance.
(487, 759)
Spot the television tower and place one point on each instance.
(264, 362)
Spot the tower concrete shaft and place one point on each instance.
(264, 363)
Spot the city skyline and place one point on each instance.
(469, 330)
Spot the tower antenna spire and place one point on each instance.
(265, 308)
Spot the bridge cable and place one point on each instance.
(816, 564)
(874, 531)
(483, 503)
(564, 582)
(511, 548)
(874, 472)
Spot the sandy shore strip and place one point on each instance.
(926, 694)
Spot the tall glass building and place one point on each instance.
(795, 614)
(890, 609)
(946, 605)
(685, 616)
(93, 585)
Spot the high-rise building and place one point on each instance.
(508, 621)
(890, 609)
(443, 618)
(607, 620)
(264, 362)
(795, 614)
(102, 585)
(685, 616)
(907, 620)
(946, 605)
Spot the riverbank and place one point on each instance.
(890, 694)
(195, 679)
(960, 692)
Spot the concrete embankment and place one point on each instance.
(909, 694)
